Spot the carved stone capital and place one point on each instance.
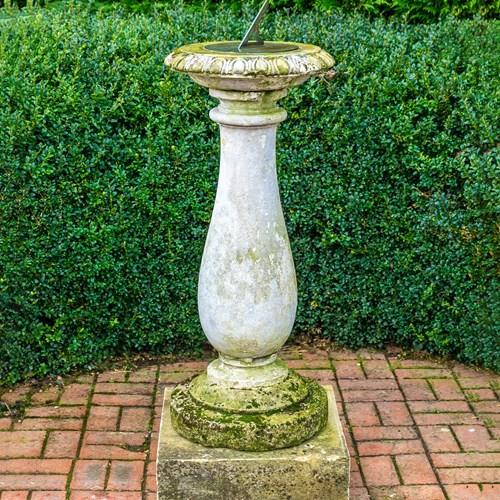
(249, 71)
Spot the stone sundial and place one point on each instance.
(247, 400)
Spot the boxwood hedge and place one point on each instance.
(108, 163)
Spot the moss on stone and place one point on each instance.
(259, 399)
(250, 431)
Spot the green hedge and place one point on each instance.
(410, 10)
(108, 169)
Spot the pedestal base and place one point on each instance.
(254, 419)
(318, 468)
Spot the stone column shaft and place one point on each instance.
(247, 294)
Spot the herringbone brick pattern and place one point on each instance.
(416, 429)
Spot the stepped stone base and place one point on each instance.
(317, 469)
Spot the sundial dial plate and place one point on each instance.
(251, 48)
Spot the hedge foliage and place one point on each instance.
(410, 10)
(108, 166)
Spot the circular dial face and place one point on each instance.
(251, 48)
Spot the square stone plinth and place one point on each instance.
(317, 469)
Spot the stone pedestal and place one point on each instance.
(317, 469)
(249, 428)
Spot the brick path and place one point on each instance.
(416, 429)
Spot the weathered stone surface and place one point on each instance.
(232, 70)
(252, 399)
(247, 429)
(317, 469)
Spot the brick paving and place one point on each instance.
(415, 429)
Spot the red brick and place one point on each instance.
(122, 400)
(56, 411)
(480, 394)
(473, 492)
(103, 418)
(469, 459)
(417, 390)
(62, 444)
(348, 369)
(476, 382)
(367, 353)
(349, 442)
(151, 468)
(321, 376)
(104, 438)
(287, 354)
(343, 354)
(370, 384)
(447, 389)
(15, 495)
(189, 366)
(32, 482)
(379, 471)
(416, 373)
(75, 394)
(445, 418)
(68, 424)
(21, 444)
(467, 371)
(310, 364)
(115, 376)
(438, 406)
(156, 423)
(34, 466)
(5, 423)
(390, 447)
(469, 475)
(415, 469)
(377, 395)
(490, 420)
(356, 480)
(126, 476)
(89, 475)
(111, 452)
(376, 433)
(439, 438)
(338, 395)
(48, 495)
(45, 396)
(176, 377)
(106, 495)
(487, 407)
(377, 368)
(475, 438)
(358, 494)
(13, 396)
(394, 413)
(119, 388)
(144, 375)
(362, 414)
(153, 448)
(135, 419)
(408, 493)
(316, 354)
(414, 363)
(151, 484)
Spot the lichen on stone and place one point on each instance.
(248, 431)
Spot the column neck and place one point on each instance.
(248, 109)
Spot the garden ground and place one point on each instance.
(416, 429)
